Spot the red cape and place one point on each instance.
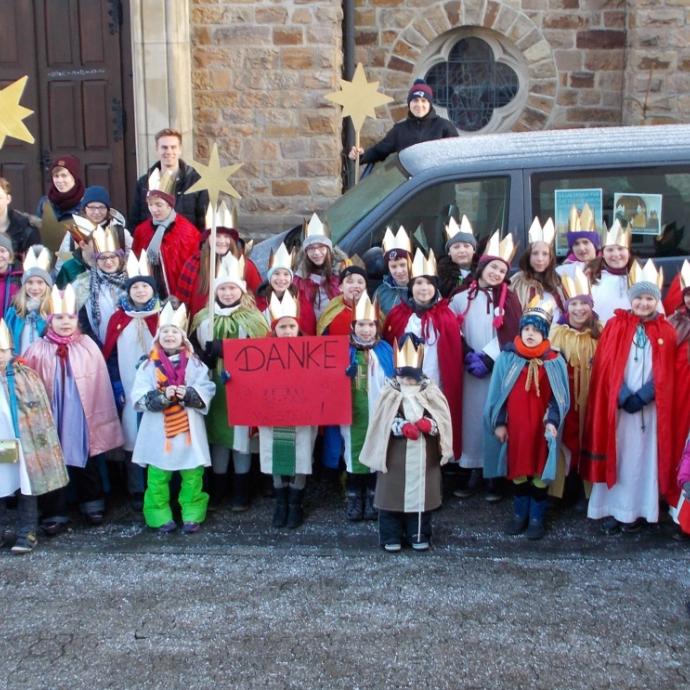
(674, 296)
(118, 322)
(450, 355)
(180, 241)
(681, 408)
(598, 456)
(306, 318)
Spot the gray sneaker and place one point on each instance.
(25, 543)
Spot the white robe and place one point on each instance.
(133, 342)
(150, 444)
(610, 293)
(305, 436)
(376, 379)
(568, 269)
(13, 475)
(480, 334)
(636, 491)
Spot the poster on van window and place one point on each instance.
(564, 200)
(642, 212)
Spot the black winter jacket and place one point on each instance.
(191, 206)
(22, 233)
(413, 130)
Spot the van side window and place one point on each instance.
(671, 182)
(484, 201)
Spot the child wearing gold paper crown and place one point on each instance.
(286, 452)
(371, 363)
(234, 316)
(524, 413)
(75, 375)
(397, 258)
(408, 439)
(173, 390)
(31, 460)
(27, 317)
(456, 265)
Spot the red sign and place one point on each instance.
(288, 381)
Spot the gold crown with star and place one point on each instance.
(503, 249)
(408, 355)
(542, 233)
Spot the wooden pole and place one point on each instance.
(357, 156)
(212, 270)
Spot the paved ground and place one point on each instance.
(243, 606)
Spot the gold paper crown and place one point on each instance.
(579, 222)
(42, 260)
(685, 275)
(281, 258)
(408, 355)
(576, 285)
(225, 218)
(105, 240)
(280, 308)
(503, 249)
(173, 317)
(453, 229)
(315, 228)
(136, 268)
(63, 301)
(365, 310)
(162, 183)
(422, 266)
(400, 240)
(646, 274)
(231, 270)
(5, 336)
(80, 228)
(618, 236)
(544, 309)
(542, 233)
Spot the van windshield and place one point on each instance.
(358, 201)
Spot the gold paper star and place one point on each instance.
(52, 230)
(214, 178)
(358, 97)
(12, 114)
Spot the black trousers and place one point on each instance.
(87, 486)
(395, 527)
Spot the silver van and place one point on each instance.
(502, 181)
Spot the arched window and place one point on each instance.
(478, 79)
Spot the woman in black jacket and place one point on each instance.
(15, 225)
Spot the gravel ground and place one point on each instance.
(240, 605)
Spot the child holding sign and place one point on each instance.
(173, 390)
(286, 452)
(235, 316)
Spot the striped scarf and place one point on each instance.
(169, 373)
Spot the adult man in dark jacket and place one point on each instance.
(422, 124)
(18, 226)
(191, 206)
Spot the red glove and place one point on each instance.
(424, 425)
(410, 431)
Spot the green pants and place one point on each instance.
(192, 499)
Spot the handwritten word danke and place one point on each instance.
(297, 355)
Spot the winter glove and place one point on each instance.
(633, 404)
(410, 431)
(623, 395)
(118, 394)
(155, 401)
(212, 352)
(351, 371)
(475, 365)
(646, 393)
(424, 425)
(192, 399)
(225, 376)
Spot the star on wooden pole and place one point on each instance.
(12, 113)
(359, 99)
(214, 178)
(52, 230)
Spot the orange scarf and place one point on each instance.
(175, 419)
(534, 356)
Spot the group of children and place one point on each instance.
(556, 373)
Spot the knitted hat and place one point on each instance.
(591, 235)
(71, 163)
(540, 324)
(644, 288)
(460, 233)
(37, 264)
(160, 194)
(6, 242)
(420, 89)
(352, 270)
(149, 280)
(95, 195)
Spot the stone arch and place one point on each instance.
(409, 43)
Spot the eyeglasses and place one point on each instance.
(96, 207)
(107, 257)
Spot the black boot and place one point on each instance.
(240, 493)
(218, 488)
(521, 500)
(295, 515)
(370, 513)
(355, 508)
(537, 509)
(280, 514)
